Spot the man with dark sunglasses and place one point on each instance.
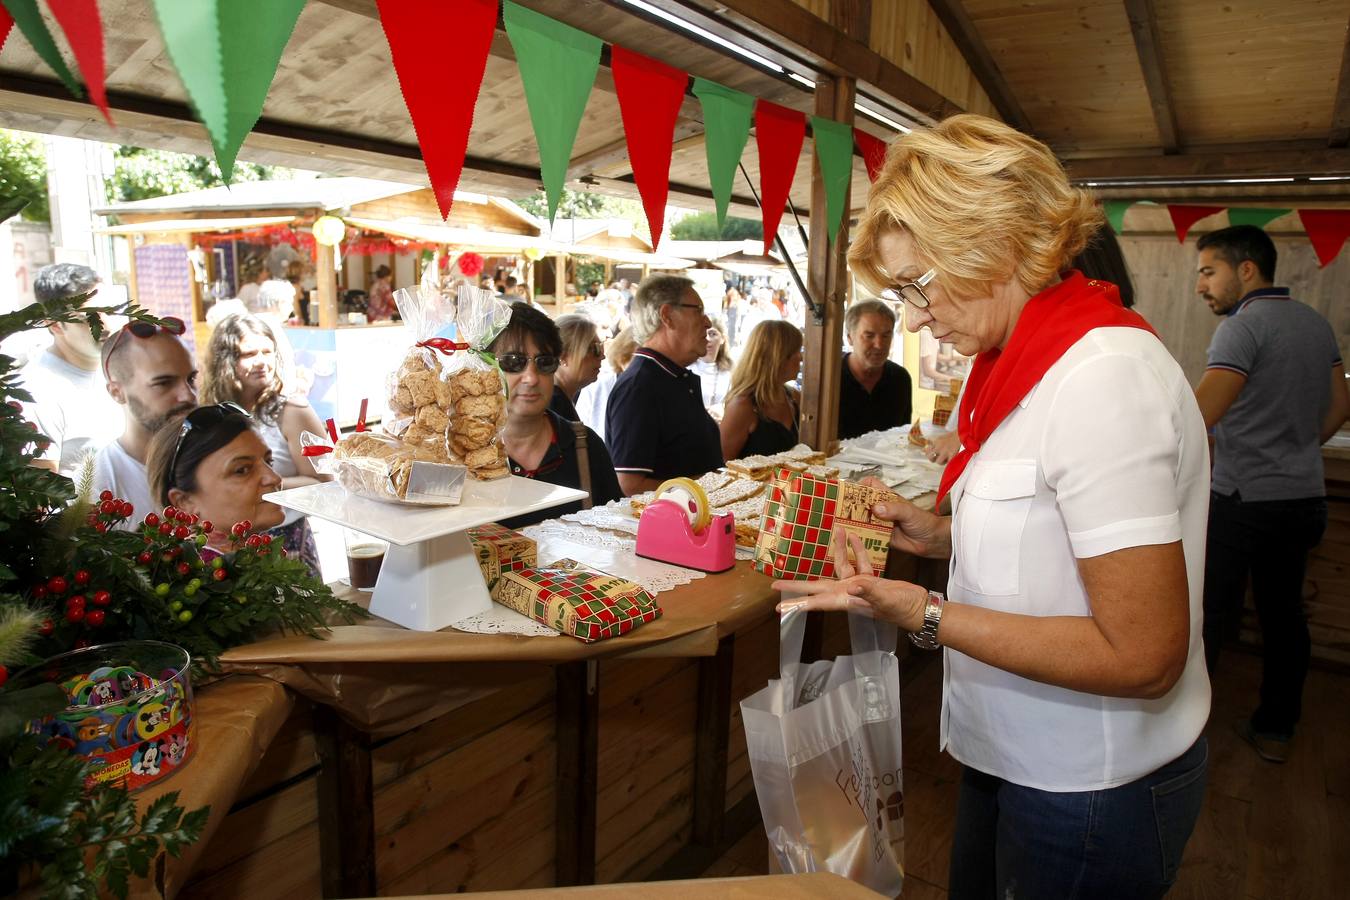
(70, 405)
(153, 376)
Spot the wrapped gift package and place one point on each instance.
(575, 600)
(800, 513)
(501, 550)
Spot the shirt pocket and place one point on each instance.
(989, 525)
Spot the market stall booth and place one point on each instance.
(603, 252)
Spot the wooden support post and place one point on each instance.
(712, 734)
(827, 279)
(346, 806)
(326, 278)
(577, 714)
(559, 280)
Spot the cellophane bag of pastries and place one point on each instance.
(382, 467)
(448, 396)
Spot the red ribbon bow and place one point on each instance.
(444, 345)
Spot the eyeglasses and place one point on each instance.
(598, 349)
(911, 292)
(200, 418)
(171, 325)
(697, 306)
(513, 363)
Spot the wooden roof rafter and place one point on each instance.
(1340, 114)
(1144, 27)
(967, 38)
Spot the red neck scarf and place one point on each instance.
(1051, 322)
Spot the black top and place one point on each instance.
(559, 466)
(886, 406)
(561, 405)
(655, 422)
(771, 436)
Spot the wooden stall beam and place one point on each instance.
(827, 280)
(1215, 163)
(326, 278)
(1340, 112)
(712, 738)
(1144, 26)
(967, 38)
(346, 795)
(577, 714)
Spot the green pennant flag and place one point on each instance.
(1255, 216)
(226, 53)
(834, 151)
(26, 15)
(726, 126)
(1115, 213)
(557, 66)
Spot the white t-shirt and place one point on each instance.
(594, 399)
(72, 407)
(1108, 451)
(715, 382)
(115, 470)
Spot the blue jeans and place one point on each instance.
(1125, 842)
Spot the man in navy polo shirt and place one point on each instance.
(655, 423)
(1273, 391)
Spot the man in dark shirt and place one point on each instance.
(874, 393)
(655, 422)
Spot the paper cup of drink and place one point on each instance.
(365, 555)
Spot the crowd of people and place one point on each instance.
(1082, 619)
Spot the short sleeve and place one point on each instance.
(632, 428)
(1234, 347)
(1111, 454)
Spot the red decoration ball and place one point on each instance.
(207, 527)
(46, 628)
(169, 512)
(220, 575)
(238, 529)
(95, 618)
(76, 602)
(75, 614)
(182, 533)
(166, 529)
(194, 519)
(184, 568)
(101, 598)
(56, 585)
(254, 541)
(101, 527)
(248, 525)
(125, 509)
(152, 520)
(82, 577)
(108, 507)
(267, 539)
(105, 495)
(144, 557)
(470, 264)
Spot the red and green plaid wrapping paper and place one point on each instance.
(577, 601)
(800, 513)
(501, 550)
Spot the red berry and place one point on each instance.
(75, 602)
(18, 407)
(254, 540)
(267, 539)
(248, 526)
(182, 533)
(82, 577)
(125, 509)
(194, 519)
(101, 598)
(80, 645)
(184, 568)
(169, 512)
(175, 552)
(166, 529)
(46, 627)
(147, 539)
(75, 614)
(220, 575)
(238, 529)
(4, 675)
(207, 526)
(105, 495)
(101, 527)
(108, 507)
(283, 553)
(94, 618)
(56, 584)
(152, 520)
(144, 557)
(39, 591)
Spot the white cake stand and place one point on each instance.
(430, 576)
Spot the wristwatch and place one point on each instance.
(926, 637)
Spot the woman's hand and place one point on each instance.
(942, 448)
(857, 589)
(917, 531)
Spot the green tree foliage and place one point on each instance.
(140, 173)
(703, 227)
(23, 172)
(585, 205)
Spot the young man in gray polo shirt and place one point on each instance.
(1273, 392)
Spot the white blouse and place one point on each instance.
(1108, 451)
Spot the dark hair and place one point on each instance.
(63, 280)
(1102, 259)
(200, 442)
(382, 272)
(526, 320)
(1238, 244)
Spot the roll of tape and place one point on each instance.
(689, 496)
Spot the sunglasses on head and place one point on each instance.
(202, 417)
(513, 363)
(170, 325)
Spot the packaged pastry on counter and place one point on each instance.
(501, 550)
(797, 526)
(576, 600)
(381, 467)
(448, 396)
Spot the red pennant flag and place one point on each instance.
(779, 133)
(440, 86)
(873, 151)
(1183, 217)
(1327, 229)
(6, 23)
(79, 19)
(650, 95)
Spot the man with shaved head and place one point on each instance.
(153, 376)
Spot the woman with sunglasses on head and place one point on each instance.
(1075, 691)
(243, 366)
(579, 366)
(540, 443)
(215, 465)
(762, 409)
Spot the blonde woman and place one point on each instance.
(762, 409)
(594, 398)
(714, 369)
(582, 352)
(1075, 692)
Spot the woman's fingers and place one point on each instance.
(862, 562)
(839, 546)
(833, 601)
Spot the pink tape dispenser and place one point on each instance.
(678, 527)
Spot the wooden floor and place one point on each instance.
(1268, 831)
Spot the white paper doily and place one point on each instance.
(503, 620)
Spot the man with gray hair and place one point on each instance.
(655, 423)
(70, 404)
(874, 393)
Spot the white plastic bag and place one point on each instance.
(824, 744)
